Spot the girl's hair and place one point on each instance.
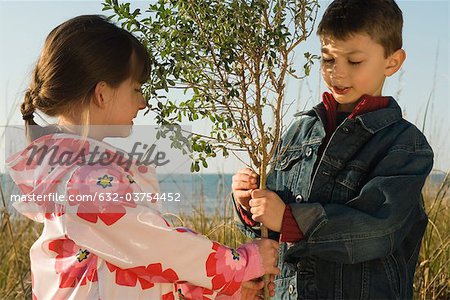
(77, 55)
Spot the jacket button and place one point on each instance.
(291, 289)
(309, 152)
(345, 129)
(299, 198)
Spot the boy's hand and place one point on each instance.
(268, 208)
(244, 181)
(253, 289)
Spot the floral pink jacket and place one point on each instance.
(121, 249)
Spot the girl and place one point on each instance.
(90, 73)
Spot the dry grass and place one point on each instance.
(219, 226)
(432, 279)
(16, 237)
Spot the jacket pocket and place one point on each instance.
(348, 184)
(289, 156)
(287, 167)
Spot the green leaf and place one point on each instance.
(211, 49)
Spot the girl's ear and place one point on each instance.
(394, 62)
(101, 94)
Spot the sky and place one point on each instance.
(426, 38)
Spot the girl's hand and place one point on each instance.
(244, 181)
(268, 249)
(267, 208)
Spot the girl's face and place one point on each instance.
(121, 107)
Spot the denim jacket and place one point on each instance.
(361, 211)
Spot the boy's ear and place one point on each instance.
(394, 62)
(101, 94)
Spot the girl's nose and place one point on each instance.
(142, 103)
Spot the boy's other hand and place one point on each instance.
(253, 289)
(268, 208)
(244, 181)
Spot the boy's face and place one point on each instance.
(355, 67)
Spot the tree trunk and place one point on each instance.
(264, 230)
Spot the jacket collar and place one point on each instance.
(372, 121)
(377, 120)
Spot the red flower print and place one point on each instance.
(185, 229)
(168, 296)
(41, 166)
(74, 264)
(48, 206)
(147, 276)
(192, 292)
(143, 169)
(227, 269)
(24, 188)
(100, 193)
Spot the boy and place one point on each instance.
(344, 197)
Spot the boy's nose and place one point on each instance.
(337, 71)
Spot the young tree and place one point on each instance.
(232, 59)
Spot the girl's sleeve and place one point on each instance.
(105, 214)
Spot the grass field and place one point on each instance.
(432, 274)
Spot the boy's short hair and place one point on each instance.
(382, 20)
